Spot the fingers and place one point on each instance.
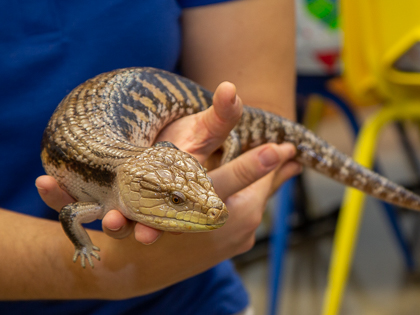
(51, 193)
(116, 225)
(283, 173)
(250, 167)
(146, 235)
(203, 133)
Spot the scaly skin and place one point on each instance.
(97, 146)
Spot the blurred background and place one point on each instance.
(358, 82)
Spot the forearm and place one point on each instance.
(38, 263)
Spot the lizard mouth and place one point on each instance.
(175, 225)
(214, 219)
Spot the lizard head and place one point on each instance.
(168, 189)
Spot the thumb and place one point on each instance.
(226, 111)
(203, 133)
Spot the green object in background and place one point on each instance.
(324, 10)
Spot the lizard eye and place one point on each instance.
(177, 197)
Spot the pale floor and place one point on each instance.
(379, 283)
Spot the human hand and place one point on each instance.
(205, 133)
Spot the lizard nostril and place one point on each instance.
(218, 216)
(212, 213)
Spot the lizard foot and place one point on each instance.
(86, 252)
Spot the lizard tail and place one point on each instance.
(257, 127)
(326, 159)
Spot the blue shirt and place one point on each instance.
(46, 49)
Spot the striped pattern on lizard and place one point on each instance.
(99, 146)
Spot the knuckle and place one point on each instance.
(248, 244)
(255, 221)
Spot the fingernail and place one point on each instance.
(152, 242)
(268, 157)
(115, 230)
(233, 100)
(41, 190)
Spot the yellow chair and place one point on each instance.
(381, 56)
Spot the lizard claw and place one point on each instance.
(86, 252)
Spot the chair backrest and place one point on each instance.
(381, 48)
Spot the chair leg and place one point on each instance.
(350, 214)
(344, 242)
(278, 242)
(409, 150)
(390, 210)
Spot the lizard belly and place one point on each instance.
(80, 189)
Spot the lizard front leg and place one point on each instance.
(71, 217)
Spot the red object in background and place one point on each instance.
(328, 59)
